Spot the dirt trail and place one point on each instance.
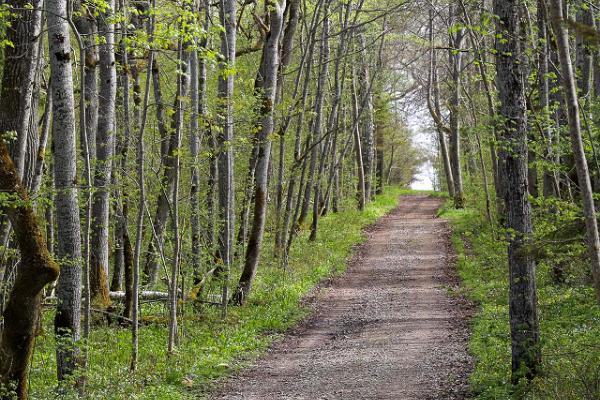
(386, 329)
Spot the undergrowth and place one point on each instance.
(569, 316)
(210, 348)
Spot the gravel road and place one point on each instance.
(386, 329)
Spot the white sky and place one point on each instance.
(419, 122)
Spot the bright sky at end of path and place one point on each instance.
(422, 137)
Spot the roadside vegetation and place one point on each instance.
(569, 316)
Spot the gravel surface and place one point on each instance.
(386, 329)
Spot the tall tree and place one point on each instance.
(455, 55)
(265, 88)
(524, 326)
(227, 13)
(68, 290)
(36, 269)
(105, 139)
(585, 185)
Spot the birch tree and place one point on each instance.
(68, 290)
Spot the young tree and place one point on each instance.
(455, 55)
(227, 13)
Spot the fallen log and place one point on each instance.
(144, 295)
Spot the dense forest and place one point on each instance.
(177, 175)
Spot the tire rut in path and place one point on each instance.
(386, 329)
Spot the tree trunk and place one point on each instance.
(167, 185)
(434, 110)
(36, 268)
(524, 325)
(550, 181)
(174, 206)
(225, 92)
(585, 186)
(105, 138)
(367, 131)
(320, 149)
(358, 146)
(293, 13)
(140, 172)
(455, 54)
(316, 122)
(18, 76)
(266, 88)
(68, 290)
(86, 27)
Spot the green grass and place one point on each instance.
(210, 348)
(569, 316)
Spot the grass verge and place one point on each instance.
(569, 316)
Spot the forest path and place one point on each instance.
(386, 329)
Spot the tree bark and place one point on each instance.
(524, 325)
(456, 55)
(105, 139)
(68, 290)
(585, 186)
(36, 269)
(266, 88)
(225, 92)
(367, 131)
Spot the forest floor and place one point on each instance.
(389, 328)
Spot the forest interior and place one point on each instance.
(212, 199)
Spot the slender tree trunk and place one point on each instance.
(266, 86)
(550, 180)
(174, 207)
(227, 13)
(139, 236)
(367, 131)
(167, 185)
(513, 152)
(320, 150)
(289, 219)
(358, 146)
(455, 54)
(86, 27)
(434, 110)
(317, 120)
(122, 203)
(293, 12)
(585, 186)
(105, 138)
(194, 154)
